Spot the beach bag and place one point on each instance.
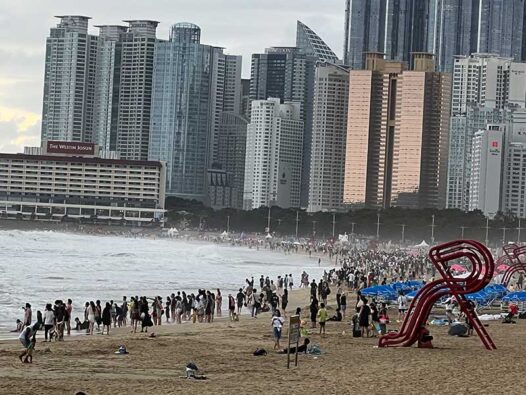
(260, 352)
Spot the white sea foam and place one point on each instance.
(39, 267)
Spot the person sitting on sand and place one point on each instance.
(336, 317)
(301, 348)
(79, 326)
(19, 327)
(424, 338)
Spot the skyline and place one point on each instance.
(253, 27)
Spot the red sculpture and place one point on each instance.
(481, 274)
(517, 258)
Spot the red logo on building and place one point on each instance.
(495, 144)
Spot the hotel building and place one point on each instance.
(69, 180)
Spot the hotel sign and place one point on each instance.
(72, 148)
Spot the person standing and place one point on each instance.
(124, 308)
(339, 292)
(49, 321)
(92, 309)
(277, 326)
(219, 301)
(69, 312)
(240, 300)
(322, 316)
(313, 311)
(343, 304)
(231, 307)
(402, 306)
(365, 311)
(60, 316)
(284, 301)
(106, 318)
(28, 315)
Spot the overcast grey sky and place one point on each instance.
(242, 27)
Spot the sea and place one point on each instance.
(39, 267)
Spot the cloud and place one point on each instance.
(18, 128)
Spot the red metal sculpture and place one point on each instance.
(517, 259)
(481, 274)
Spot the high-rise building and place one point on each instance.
(311, 44)
(273, 155)
(501, 27)
(397, 134)
(329, 131)
(486, 170)
(513, 198)
(483, 86)
(135, 94)
(71, 55)
(190, 84)
(107, 86)
(452, 29)
(232, 144)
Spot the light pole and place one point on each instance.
(403, 233)
(519, 233)
(268, 220)
(228, 224)
(433, 229)
(462, 232)
(487, 231)
(352, 228)
(314, 228)
(504, 235)
(378, 226)
(333, 224)
(297, 221)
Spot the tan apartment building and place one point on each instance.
(397, 134)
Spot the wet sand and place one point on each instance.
(223, 350)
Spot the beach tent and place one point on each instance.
(423, 244)
(458, 268)
(502, 268)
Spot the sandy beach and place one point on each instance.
(223, 351)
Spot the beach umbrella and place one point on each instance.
(502, 268)
(458, 268)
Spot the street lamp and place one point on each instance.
(333, 224)
(403, 233)
(228, 224)
(462, 228)
(297, 221)
(433, 229)
(378, 226)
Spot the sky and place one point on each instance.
(242, 27)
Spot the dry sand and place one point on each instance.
(223, 350)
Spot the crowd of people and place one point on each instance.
(353, 271)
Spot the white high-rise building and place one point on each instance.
(273, 155)
(329, 135)
(69, 79)
(484, 85)
(107, 84)
(486, 170)
(514, 171)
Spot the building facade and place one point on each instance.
(486, 170)
(69, 181)
(135, 93)
(191, 82)
(327, 166)
(397, 134)
(69, 77)
(273, 155)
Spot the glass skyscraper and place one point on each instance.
(182, 108)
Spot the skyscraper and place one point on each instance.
(327, 165)
(273, 155)
(486, 170)
(71, 55)
(501, 28)
(311, 44)
(397, 134)
(107, 86)
(135, 95)
(483, 86)
(188, 92)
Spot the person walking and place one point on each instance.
(219, 301)
(322, 316)
(106, 318)
(313, 311)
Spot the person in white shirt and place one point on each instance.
(49, 321)
(402, 306)
(277, 326)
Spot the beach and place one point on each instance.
(223, 351)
